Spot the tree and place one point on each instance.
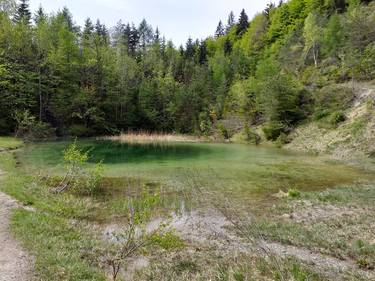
(23, 14)
(202, 58)
(133, 40)
(243, 23)
(312, 33)
(146, 34)
(267, 11)
(231, 22)
(227, 47)
(219, 30)
(8, 6)
(40, 16)
(278, 98)
(190, 49)
(333, 36)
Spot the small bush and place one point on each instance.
(31, 130)
(224, 132)
(79, 178)
(168, 241)
(294, 193)
(79, 131)
(282, 139)
(251, 136)
(336, 118)
(273, 130)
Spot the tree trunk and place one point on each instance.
(40, 95)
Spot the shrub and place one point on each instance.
(77, 177)
(79, 131)
(29, 129)
(336, 118)
(282, 139)
(251, 136)
(272, 130)
(42, 131)
(331, 99)
(294, 193)
(224, 132)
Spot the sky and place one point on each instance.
(177, 19)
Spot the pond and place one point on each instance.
(247, 172)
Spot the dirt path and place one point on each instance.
(15, 264)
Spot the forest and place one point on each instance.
(57, 78)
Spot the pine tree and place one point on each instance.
(190, 50)
(146, 34)
(243, 23)
(8, 6)
(268, 9)
(133, 40)
(231, 22)
(227, 47)
(219, 30)
(157, 36)
(202, 58)
(88, 28)
(23, 14)
(40, 15)
(68, 18)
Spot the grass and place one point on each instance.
(62, 251)
(8, 143)
(206, 265)
(147, 137)
(337, 222)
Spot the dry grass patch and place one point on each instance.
(147, 137)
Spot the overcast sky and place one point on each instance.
(176, 19)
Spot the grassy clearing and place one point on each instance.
(8, 143)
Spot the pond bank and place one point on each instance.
(305, 235)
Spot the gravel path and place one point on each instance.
(15, 264)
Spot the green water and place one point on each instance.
(246, 172)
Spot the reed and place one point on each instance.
(148, 137)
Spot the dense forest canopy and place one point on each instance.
(58, 77)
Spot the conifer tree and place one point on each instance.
(227, 47)
(8, 6)
(23, 14)
(202, 52)
(231, 22)
(40, 15)
(190, 50)
(219, 30)
(243, 23)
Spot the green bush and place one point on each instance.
(294, 193)
(29, 129)
(251, 136)
(224, 132)
(282, 139)
(273, 130)
(78, 177)
(331, 99)
(336, 118)
(79, 131)
(42, 131)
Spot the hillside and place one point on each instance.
(353, 138)
(57, 78)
